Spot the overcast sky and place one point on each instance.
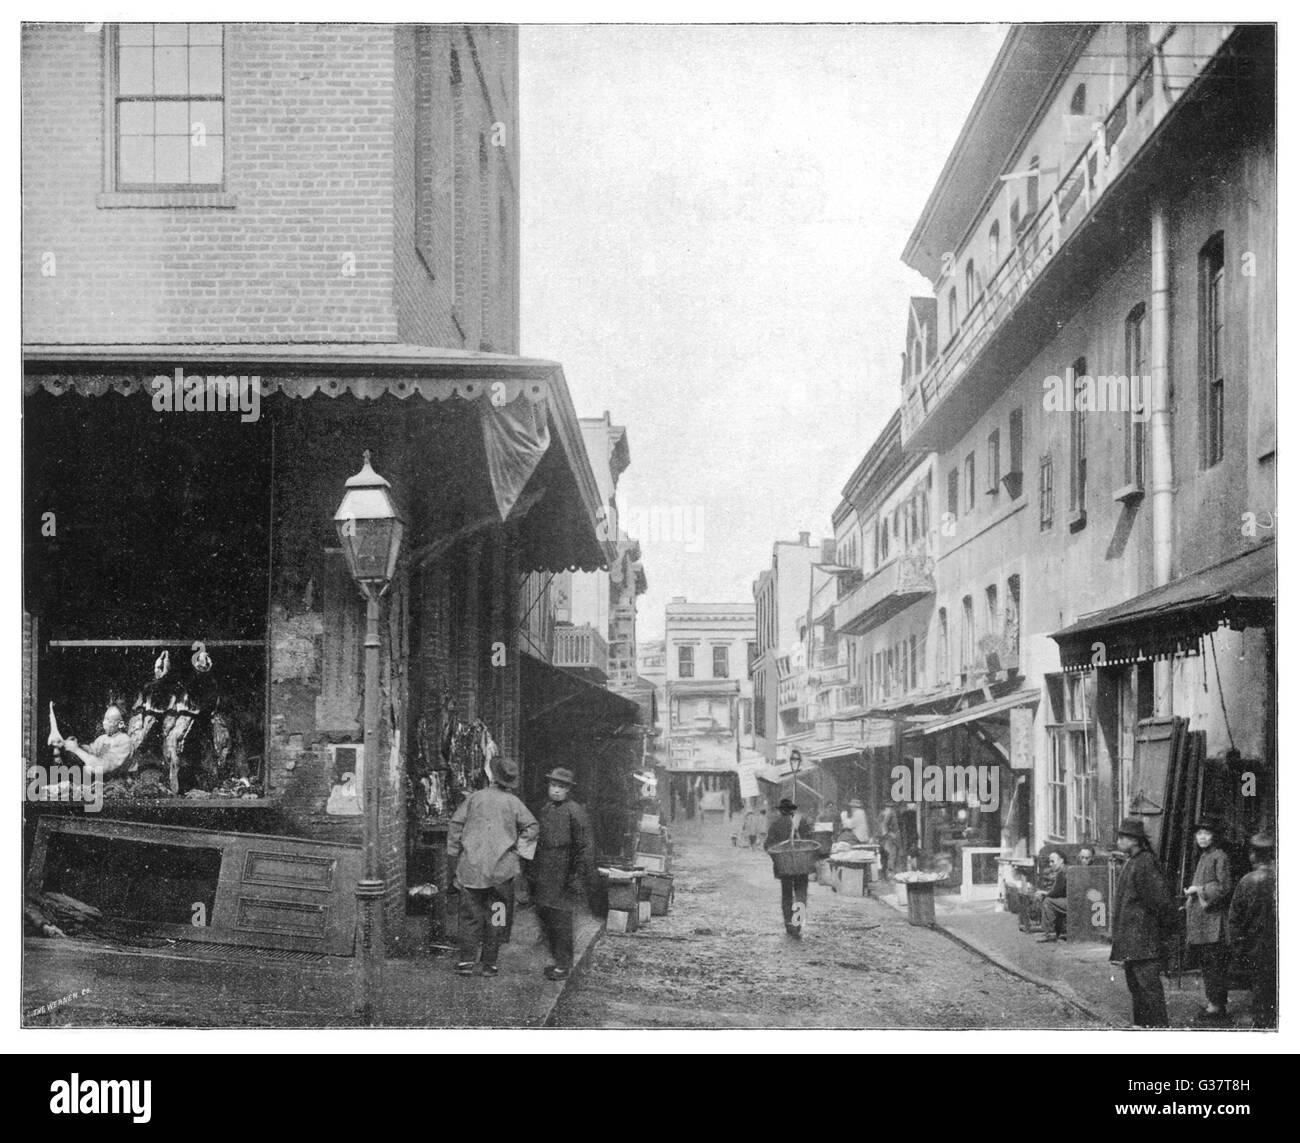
(712, 219)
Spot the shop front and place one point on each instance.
(185, 566)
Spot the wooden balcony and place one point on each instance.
(893, 587)
(582, 650)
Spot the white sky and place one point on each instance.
(712, 219)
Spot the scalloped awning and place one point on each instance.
(517, 437)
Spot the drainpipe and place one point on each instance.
(1162, 434)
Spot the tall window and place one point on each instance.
(1072, 772)
(685, 662)
(170, 110)
(1011, 619)
(967, 633)
(1016, 443)
(995, 462)
(721, 662)
(424, 190)
(1046, 493)
(995, 236)
(916, 357)
(1211, 350)
(1058, 791)
(1079, 100)
(1031, 190)
(1139, 389)
(912, 663)
(1079, 438)
(953, 494)
(992, 616)
(952, 313)
(970, 482)
(970, 284)
(941, 648)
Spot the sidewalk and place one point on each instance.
(1080, 972)
(84, 983)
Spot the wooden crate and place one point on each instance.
(643, 912)
(622, 920)
(652, 862)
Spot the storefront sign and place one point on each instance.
(1022, 738)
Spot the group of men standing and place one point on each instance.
(491, 832)
(1225, 927)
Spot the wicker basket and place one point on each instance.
(796, 858)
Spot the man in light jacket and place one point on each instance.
(490, 831)
(1143, 913)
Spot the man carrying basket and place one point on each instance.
(792, 862)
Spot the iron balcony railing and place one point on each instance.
(1131, 120)
(581, 648)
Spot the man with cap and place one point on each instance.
(1252, 930)
(1207, 910)
(794, 890)
(489, 832)
(562, 870)
(1142, 914)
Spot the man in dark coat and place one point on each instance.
(1252, 930)
(562, 869)
(1208, 896)
(1053, 898)
(1143, 913)
(794, 890)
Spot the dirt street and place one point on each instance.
(722, 959)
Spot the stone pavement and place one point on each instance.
(1079, 971)
(83, 983)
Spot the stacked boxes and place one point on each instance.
(657, 891)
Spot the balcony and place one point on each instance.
(583, 651)
(1001, 334)
(891, 589)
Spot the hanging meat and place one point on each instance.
(188, 745)
(149, 714)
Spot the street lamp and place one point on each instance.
(370, 529)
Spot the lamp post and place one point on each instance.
(370, 530)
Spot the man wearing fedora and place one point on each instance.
(794, 890)
(562, 869)
(1142, 914)
(489, 832)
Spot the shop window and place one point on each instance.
(168, 518)
(685, 662)
(168, 106)
(1211, 351)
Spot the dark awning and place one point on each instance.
(1238, 592)
(524, 406)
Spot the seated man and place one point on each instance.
(1052, 899)
(1087, 855)
(110, 752)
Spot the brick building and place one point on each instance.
(331, 212)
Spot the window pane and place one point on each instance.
(135, 71)
(135, 118)
(135, 34)
(170, 33)
(205, 33)
(205, 71)
(206, 162)
(172, 118)
(172, 159)
(135, 159)
(208, 115)
(170, 71)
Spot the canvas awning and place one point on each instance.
(1238, 592)
(523, 405)
(974, 713)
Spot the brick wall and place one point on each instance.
(315, 236)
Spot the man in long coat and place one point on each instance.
(1208, 896)
(562, 869)
(794, 890)
(1252, 930)
(489, 832)
(1143, 913)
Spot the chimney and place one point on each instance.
(804, 537)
